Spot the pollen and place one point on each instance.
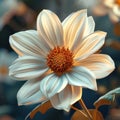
(60, 60)
(117, 2)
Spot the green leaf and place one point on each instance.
(108, 98)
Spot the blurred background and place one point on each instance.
(18, 15)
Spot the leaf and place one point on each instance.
(102, 102)
(108, 98)
(40, 108)
(94, 112)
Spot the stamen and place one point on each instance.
(60, 60)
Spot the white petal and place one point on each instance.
(116, 10)
(66, 98)
(52, 84)
(62, 100)
(90, 26)
(30, 93)
(83, 77)
(27, 67)
(113, 17)
(73, 27)
(101, 65)
(86, 28)
(109, 3)
(90, 45)
(50, 28)
(76, 94)
(28, 43)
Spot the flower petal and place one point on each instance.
(90, 45)
(83, 77)
(83, 31)
(113, 17)
(108, 3)
(28, 67)
(30, 93)
(90, 26)
(28, 43)
(50, 28)
(76, 94)
(66, 97)
(52, 84)
(73, 26)
(101, 65)
(116, 10)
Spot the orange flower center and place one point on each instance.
(117, 2)
(60, 60)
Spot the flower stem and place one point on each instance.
(85, 109)
(74, 108)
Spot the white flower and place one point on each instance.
(59, 59)
(110, 7)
